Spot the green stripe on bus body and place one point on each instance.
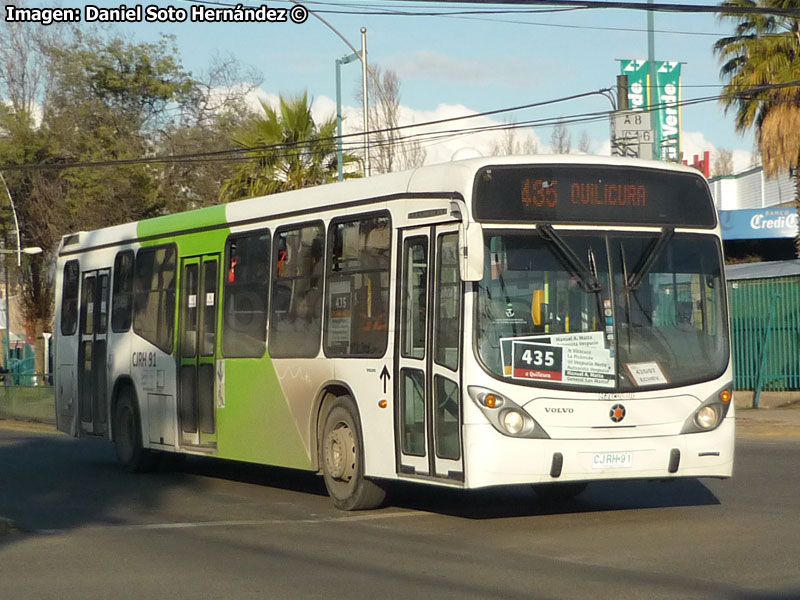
(256, 425)
(170, 226)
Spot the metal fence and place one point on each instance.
(765, 327)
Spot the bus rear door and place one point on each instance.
(199, 299)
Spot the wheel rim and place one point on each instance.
(340, 453)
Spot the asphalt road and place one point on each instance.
(210, 529)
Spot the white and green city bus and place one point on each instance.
(543, 320)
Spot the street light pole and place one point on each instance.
(16, 222)
(651, 63)
(366, 99)
(339, 156)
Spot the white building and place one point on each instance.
(751, 189)
(758, 215)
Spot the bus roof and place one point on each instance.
(452, 178)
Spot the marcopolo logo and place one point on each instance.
(617, 413)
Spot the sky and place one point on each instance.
(453, 65)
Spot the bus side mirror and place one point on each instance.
(470, 249)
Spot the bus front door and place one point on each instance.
(92, 353)
(427, 367)
(199, 298)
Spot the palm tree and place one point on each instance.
(288, 151)
(761, 63)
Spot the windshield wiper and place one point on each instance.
(584, 273)
(649, 258)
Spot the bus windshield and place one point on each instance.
(612, 311)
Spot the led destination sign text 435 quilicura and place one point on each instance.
(541, 193)
(595, 193)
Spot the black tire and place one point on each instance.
(342, 459)
(559, 492)
(131, 455)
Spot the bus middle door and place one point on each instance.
(197, 345)
(427, 367)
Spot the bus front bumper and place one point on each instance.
(494, 459)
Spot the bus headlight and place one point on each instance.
(513, 421)
(505, 415)
(706, 417)
(710, 414)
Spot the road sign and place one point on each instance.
(631, 134)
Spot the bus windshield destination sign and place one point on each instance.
(597, 194)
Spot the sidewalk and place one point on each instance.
(777, 415)
(775, 423)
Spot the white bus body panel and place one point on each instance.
(495, 459)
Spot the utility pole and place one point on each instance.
(622, 92)
(366, 99)
(339, 155)
(651, 68)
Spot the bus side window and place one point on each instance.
(296, 298)
(122, 300)
(154, 296)
(69, 298)
(244, 328)
(448, 302)
(357, 319)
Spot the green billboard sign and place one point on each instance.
(664, 104)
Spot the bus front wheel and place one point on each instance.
(131, 455)
(342, 459)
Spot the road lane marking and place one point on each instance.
(233, 523)
(247, 523)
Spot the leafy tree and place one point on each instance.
(75, 97)
(761, 63)
(24, 79)
(287, 150)
(217, 108)
(108, 101)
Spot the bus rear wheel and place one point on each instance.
(131, 455)
(342, 459)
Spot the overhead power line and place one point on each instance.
(477, 14)
(291, 149)
(233, 151)
(654, 7)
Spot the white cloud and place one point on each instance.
(442, 140)
(742, 159)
